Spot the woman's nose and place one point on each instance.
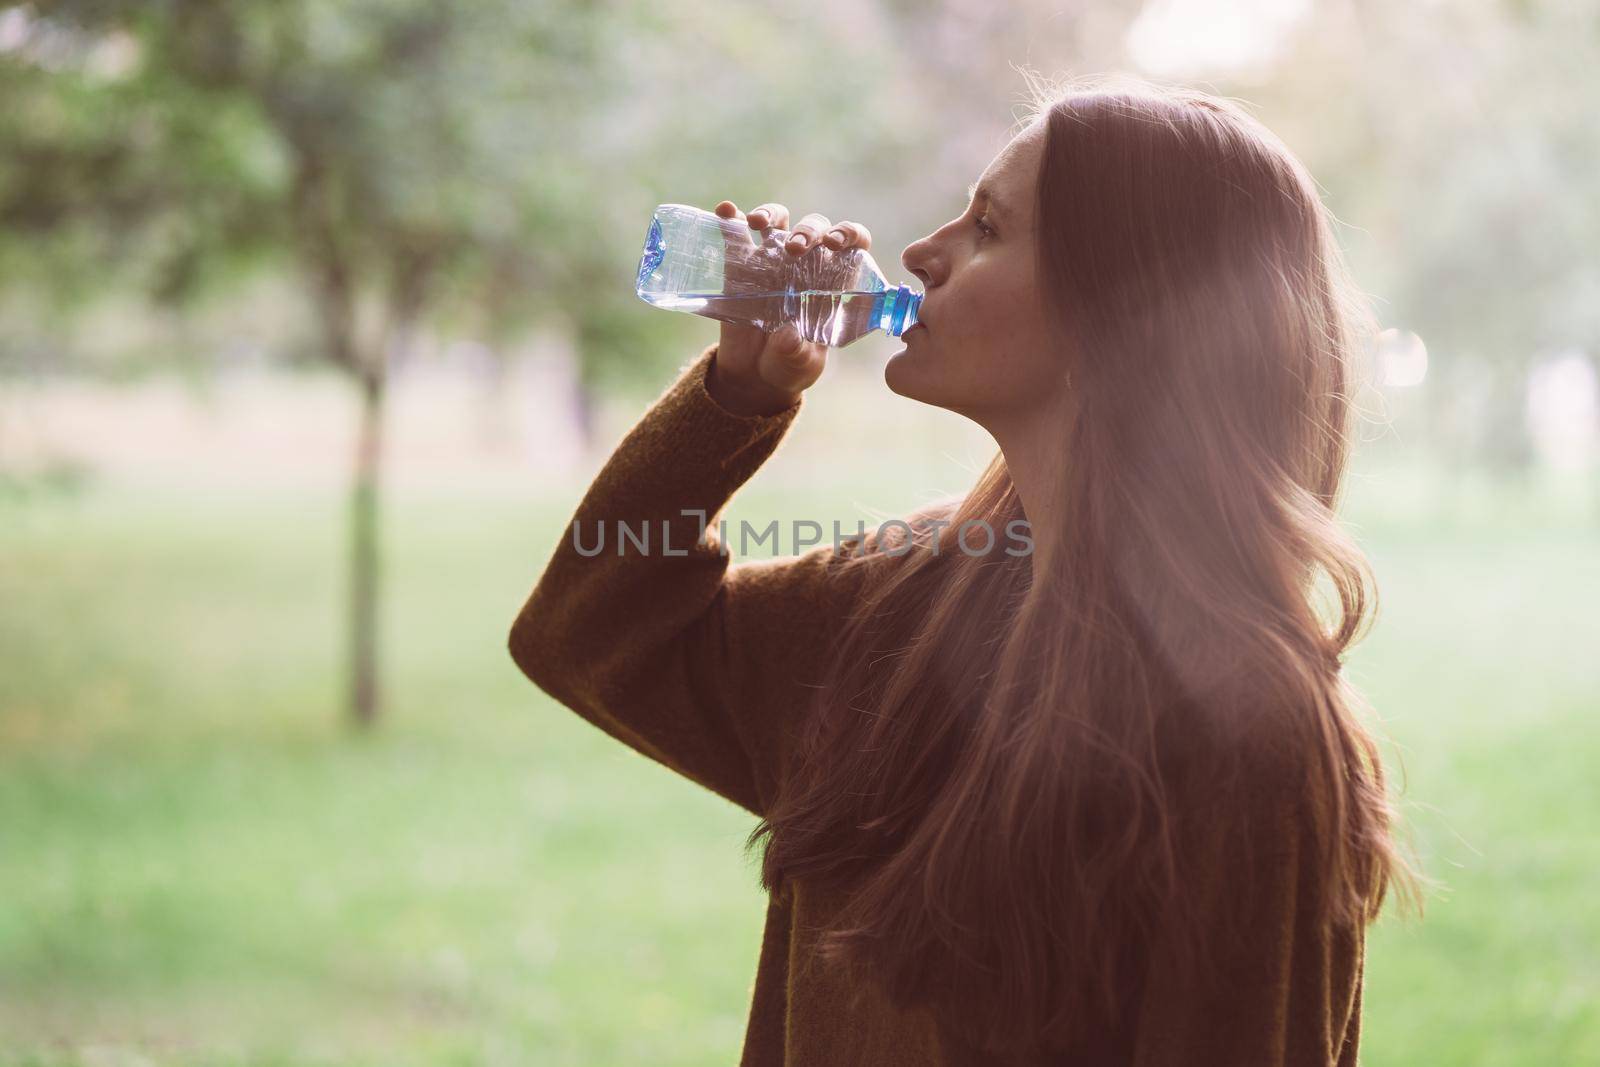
(915, 260)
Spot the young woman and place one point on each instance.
(1103, 802)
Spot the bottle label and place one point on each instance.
(654, 250)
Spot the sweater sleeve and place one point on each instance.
(1289, 995)
(655, 638)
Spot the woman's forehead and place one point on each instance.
(1005, 182)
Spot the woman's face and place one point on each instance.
(985, 351)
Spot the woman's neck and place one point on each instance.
(1033, 447)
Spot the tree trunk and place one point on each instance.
(583, 408)
(364, 560)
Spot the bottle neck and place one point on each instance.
(896, 310)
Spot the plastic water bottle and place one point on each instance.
(699, 262)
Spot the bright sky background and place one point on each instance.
(1175, 38)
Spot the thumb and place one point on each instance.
(786, 338)
(787, 346)
(792, 363)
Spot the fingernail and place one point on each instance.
(837, 235)
(800, 239)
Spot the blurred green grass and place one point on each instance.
(200, 866)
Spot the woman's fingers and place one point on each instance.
(735, 231)
(812, 230)
(806, 233)
(848, 234)
(770, 217)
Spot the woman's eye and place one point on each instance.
(983, 227)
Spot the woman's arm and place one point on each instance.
(699, 665)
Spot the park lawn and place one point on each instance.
(200, 865)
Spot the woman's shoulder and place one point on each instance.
(892, 537)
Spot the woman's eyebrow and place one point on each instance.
(995, 205)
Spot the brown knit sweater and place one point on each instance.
(703, 665)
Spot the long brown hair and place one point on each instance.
(1012, 777)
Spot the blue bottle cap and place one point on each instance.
(897, 310)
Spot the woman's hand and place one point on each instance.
(760, 373)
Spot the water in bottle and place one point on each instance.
(699, 262)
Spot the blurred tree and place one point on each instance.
(376, 148)
(1462, 148)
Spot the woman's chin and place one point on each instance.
(901, 375)
(915, 375)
